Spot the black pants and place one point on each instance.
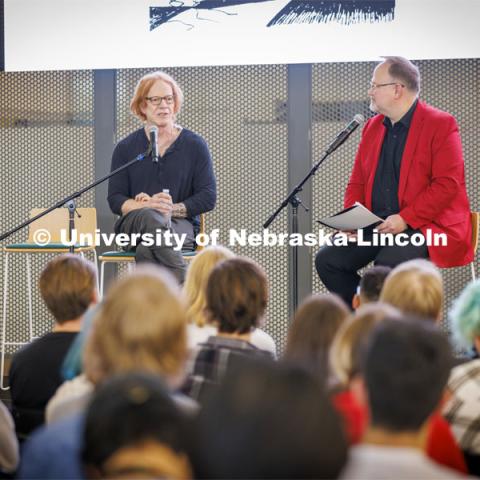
(338, 266)
(148, 220)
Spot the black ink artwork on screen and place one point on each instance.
(345, 12)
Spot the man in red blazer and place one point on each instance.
(408, 170)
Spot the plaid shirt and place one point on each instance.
(215, 359)
(462, 411)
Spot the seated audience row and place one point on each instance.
(193, 375)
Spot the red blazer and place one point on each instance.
(431, 192)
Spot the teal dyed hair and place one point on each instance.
(72, 365)
(465, 315)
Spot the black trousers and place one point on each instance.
(338, 266)
(148, 220)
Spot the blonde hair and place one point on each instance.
(140, 326)
(352, 336)
(415, 287)
(138, 101)
(195, 286)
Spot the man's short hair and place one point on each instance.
(237, 295)
(371, 283)
(406, 366)
(399, 68)
(415, 287)
(67, 285)
(269, 421)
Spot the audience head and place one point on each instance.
(415, 287)
(465, 316)
(134, 430)
(314, 326)
(237, 295)
(196, 281)
(370, 285)
(269, 421)
(68, 286)
(405, 369)
(141, 325)
(138, 102)
(351, 337)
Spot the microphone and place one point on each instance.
(345, 133)
(153, 142)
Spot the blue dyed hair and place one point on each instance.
(465, 315)
(72, 365)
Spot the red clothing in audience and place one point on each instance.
(441, 444)
(355, 417)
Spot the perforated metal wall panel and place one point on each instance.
(235, 110)
(340, 91)
(46, 134)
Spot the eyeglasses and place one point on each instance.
(169, 99)
(374, 86)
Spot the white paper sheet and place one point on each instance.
(351, 218)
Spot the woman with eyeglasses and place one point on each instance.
(172, 183)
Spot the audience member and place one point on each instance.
(200, 326)
(140, 326)
(314, 326)
(404, 372)
(370, 285)
(462, 409)
(148, 442)
(346, 363)
(68, 286)
(268, 421)
(73, 394)
(237, 295)
(8, 442)
(415, 287)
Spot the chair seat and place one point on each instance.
(117, 256)
(54, 247)
(130, 255)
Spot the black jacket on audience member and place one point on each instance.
(35, 376)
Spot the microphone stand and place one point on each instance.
(294, 201)
(69, 201)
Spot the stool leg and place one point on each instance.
(102, 271)
(29, 293)
(472, 265)
(95, 261)
(4, 321)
